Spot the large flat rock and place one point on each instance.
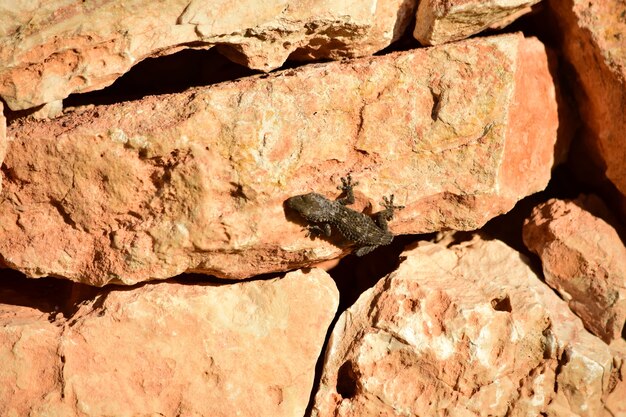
(246, 349)
(466, 329)
(50, 49)
(197, 181)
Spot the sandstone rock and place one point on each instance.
(169, 349)
(464, 330)
(592, 38)
(441, 21)
(51, 49)
(197, 181)
(583, 259)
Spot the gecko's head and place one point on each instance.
(312, 206)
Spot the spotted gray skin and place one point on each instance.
(357, 227)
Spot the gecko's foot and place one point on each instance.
(389, 206)
(347, 184)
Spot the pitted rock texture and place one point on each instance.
(246, 349)
(466, 330)
(197, 181)
(50, 49)
(441, 21)
(592, 39)
(584, 259)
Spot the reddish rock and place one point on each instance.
(169, 349)
(583, 259)
(465, 330)
(442, 21)
(30, 362)
(51, 49)
(197, 181)
(593, 41)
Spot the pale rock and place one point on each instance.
(246, 349)
(464, 330)
(442, 21)
(584, 259)
(197, 181)
(593, 40)
(49, 110)
(50, 49)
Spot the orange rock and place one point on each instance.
(583, 259)
(442, 21)
(48, 51)
(196, 181)
(464, 330)
(169, 349)
(593, 41)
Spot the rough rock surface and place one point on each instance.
(442, 21)
(197, 181)
(246, 349)
(50, 49)
(583, 259)
(466, 330)
(593, 40)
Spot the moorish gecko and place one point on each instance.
(357, 227)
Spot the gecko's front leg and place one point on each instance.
(314, 230)
(383, 216)
(347, 186)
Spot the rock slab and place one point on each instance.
(169, 349)
(51, 49)
(584, 259)
(442, 21)
(197, 181)
(465, 329)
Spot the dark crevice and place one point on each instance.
(50, 296)
(347, 380)
(173, 73)
(502, 304)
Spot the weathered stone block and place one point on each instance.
(169, 349)
(197, 181)
(465, 330)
